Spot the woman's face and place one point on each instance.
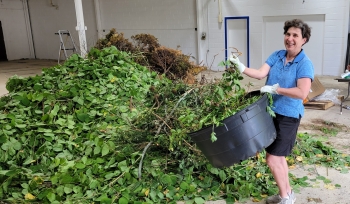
(293, 40)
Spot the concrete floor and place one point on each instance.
(22, 68)
(34, 67)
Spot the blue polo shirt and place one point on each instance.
(287, 76)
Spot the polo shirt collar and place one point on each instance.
(299, 57)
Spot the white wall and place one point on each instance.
(173, 22)
(47, 19)
(16, 30)
(314, 49)
(335, 27)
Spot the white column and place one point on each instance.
(98, 19)
(29, 29)
(81, 27)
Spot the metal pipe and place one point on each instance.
(220, 12)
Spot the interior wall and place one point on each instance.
(314, 49)
(47, 19)
(336, 23)
(173, 23)
(16, 38)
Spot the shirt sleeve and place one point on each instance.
(305, 69)
(272, 59)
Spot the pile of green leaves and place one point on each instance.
(79, 133)
(76, 132)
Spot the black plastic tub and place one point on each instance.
(241, 136)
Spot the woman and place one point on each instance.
(289, 75)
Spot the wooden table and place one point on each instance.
(341, 101)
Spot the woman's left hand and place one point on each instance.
(270, 89)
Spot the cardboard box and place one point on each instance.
(316, 89)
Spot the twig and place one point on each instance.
(239, 53)
(162, 120)
(177, 104)
(194, 149)
(159, 129)
(142, 156)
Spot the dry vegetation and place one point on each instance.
(147, 51)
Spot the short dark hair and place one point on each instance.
(297, 23)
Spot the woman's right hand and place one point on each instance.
(235, 60)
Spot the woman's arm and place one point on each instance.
(257, 73)
(300, 92)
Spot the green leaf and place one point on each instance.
(80, 165)
(222, 175)
(123, 109)
(21, 126)
(320, 177)
(83, 117)
(221, 93)
(51, 196)
(109, 176)
(184, 185)
(199, 200)
(3, 139)
(123, 166)
(90, 194)
(37, 87)
(97, 150)
(67, 190)
(60, 190)
(79, 100)
(71, 123)
(4, 172)
(84, 159)
(214, 171)
(77, 189)
(105, 149)
(24, 101)
(94, 184)
(29, 160)
(166, 179)
(123, 200)
(55, 110)
(38, 97)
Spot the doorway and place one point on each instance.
(237, 37)
(3, 55)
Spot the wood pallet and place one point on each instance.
(319, 105)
